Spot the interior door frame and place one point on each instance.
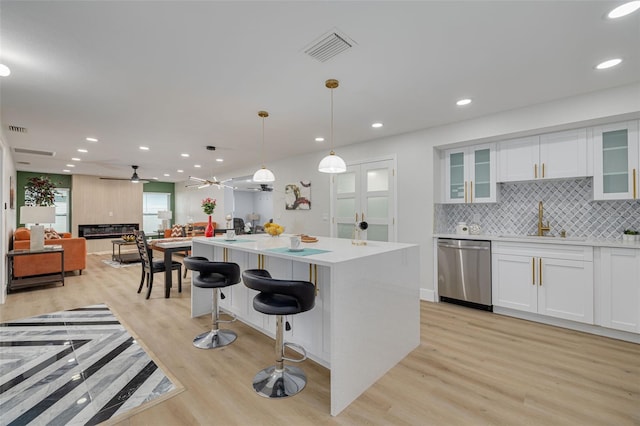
(394, 187)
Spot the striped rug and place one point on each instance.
(76, 367)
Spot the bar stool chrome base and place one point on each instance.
(276, 383)
(214, 339)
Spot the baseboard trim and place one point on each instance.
(428, 295)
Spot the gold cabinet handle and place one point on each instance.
(356, 217)
(535, 171)
(471, 191)
(542, 169)
(362, 216)
(540, 272)
(465, 191)
(533, 271)
(635, 191)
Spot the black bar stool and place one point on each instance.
(213, 275)
(279, 298)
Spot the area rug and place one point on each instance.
(76, 367)
(116, 264)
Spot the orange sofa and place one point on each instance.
(75, 255)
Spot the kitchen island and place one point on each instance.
(367, 312)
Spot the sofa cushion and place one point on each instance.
(177, 231)
(51, 234)
(22, 234)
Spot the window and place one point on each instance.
(61, 202)
(152, 203)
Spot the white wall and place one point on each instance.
(188, 201)
(8, 215)
(418, 177)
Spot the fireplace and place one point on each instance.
(107, 230)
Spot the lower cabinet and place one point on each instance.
(548, 279)
(619, 301)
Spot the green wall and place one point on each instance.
(60, 181)
(166, 187)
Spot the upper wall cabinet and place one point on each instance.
(470, 175)
(549, 156)
(616, 161)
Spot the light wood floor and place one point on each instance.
(471, 368)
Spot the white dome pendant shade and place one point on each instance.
(332, 163)
(263, 175)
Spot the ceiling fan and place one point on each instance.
(203, 183)
(133, 179)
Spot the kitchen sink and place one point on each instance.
(544, 237)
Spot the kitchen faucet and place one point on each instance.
(542, 228)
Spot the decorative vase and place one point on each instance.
(209, 231)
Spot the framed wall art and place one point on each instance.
(298, 196)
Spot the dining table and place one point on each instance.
(168, 246)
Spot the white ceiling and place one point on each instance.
(177, 75)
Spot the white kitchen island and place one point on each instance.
(367, 312)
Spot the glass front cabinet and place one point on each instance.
(616, 161)
(470, 175)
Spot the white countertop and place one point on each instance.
(338, 249)
(578, 241)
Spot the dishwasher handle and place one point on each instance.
(453, 246)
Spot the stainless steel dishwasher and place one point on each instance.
(464, 272)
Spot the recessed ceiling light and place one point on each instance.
(376, 125)
(180, 171)
(92, 140)
(144, 148)
(184, 155)
(219, 160)
(167, 174)
(4, 70)
(66, 170)
(75, 159)
(319, 139)
(71, 165)
(197, 166)
(82, 150)
(608, 64)
(463, 102)
(624, 9)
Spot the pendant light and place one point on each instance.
(263, 174)
(332, 163)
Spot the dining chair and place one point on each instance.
(150, 267)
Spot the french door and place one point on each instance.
(365, 192)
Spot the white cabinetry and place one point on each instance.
(547, 279)
(470, 175)
(549, 156)
(619, 304)
(616, 161)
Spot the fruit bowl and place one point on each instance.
(129, 238)
(273, 229)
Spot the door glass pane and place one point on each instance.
(482, 160)
(378, 180)
(456, 176)
(378, 207)
(378, 233)
(346, 183)
(346, 207)
(615, 160)
(345, 230)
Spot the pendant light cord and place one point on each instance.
(262, 149)
(332, 121)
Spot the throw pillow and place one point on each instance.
(177, 231)
(51, 234)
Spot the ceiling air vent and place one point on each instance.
(34, 152)
(329, 46)
(17, 129)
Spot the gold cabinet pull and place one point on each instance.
(540, 273)
(471, 191)
(465, 191)
(542, 169)
(362, 216)
(533, 271)
(356, 217)
(635, 191)
(535, 171)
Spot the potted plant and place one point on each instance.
(629, 236)
(40, 191)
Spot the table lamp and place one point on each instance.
(37, 215)
(166, 216)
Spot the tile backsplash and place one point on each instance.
(567, 204)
